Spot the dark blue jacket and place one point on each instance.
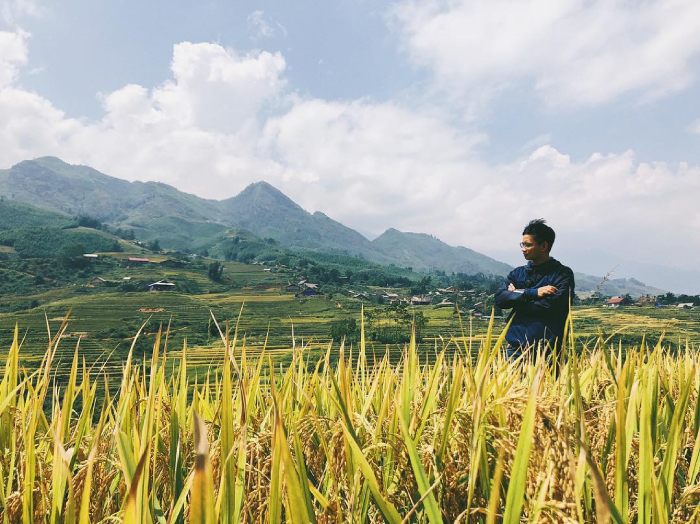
(537, 319)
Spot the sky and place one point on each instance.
(463, 119)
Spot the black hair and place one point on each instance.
(540, 231)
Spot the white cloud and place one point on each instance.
(372, 166)
(13, 55)
(368, 161)
(225, 120)
(581, 52)
(204, 120)
(11, 10)
(259, 26)
(31, 125)
(215, 88)
(694, 127)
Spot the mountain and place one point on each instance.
(187, 222)
(615, 286)
(152, 209)
(670, 275)
(179, 220)
(269, 213)
(426, 253)
(50, 183)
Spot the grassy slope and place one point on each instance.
(16, 214)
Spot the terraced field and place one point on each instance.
(104, 322)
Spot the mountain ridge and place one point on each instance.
(182, 221)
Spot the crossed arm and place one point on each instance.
(536, 300)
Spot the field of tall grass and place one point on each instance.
(596, 434)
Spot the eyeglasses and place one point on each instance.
(527, 244)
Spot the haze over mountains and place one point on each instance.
(187, 222)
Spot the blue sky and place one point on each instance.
(335, 50)
(462, 119)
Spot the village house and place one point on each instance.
(446, 303)
(421, 300)
(161, 285)
(292, 288)
(685, 305)
(97, 282)
(173, 262)
(90, 256)
(305, 289)
(361, 296)
(614, 302)
(392, 298)
(137, 260)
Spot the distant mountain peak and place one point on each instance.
(50, 159)
(395, 233)
(264, 194)
(261, 185)
(42, 160)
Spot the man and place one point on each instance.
(538, 293)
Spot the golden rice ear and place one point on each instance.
(202, 509)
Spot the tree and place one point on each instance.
(71, 255)
(87, 221)
(345, 329)
(422, 286)
(667, 299)
(216, 271)
(154, 246)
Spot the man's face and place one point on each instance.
(532, 250)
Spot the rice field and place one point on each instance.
(106, 323)
(448, 433)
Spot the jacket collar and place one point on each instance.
(545, 267)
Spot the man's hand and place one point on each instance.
(545, 290)
(511, 287)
